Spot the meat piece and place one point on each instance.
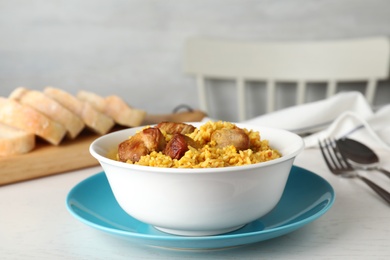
(235, 136)
(142, 143)
(178, 146)
(132, 149)
(154, 140)
(176, 128)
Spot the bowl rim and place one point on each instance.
(166, 170)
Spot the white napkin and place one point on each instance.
(344, 114)
(372, 130)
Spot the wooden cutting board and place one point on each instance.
(48, 159)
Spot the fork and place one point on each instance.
(339, 166)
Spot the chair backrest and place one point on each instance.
(363, 60)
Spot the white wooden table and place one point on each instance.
(35, 224)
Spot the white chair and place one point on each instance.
(330, 62)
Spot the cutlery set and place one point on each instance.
(345, 156)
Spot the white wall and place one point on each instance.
(133, 48)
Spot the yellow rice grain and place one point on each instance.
(209, 156)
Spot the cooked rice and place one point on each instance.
(208, 156)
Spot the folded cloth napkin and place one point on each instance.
(346, 114)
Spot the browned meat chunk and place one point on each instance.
(235, 136)
(142, 143)
(178, 146)
(154, 139)
(132, 149)
(176, 128)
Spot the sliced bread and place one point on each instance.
(51, 108)
(94, 119)
(30, 120)
(122, 113)
(94, 99)
(114, 107)
(14, 141)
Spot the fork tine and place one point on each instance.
(334, 159)
(327, 157)
(342, 162)
(332, 154)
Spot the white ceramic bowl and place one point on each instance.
(199, 202)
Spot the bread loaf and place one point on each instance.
(114, 107)
(95, 120)
(51, 108)
(25, 118)
(14, 141)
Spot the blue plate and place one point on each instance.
(307, 197)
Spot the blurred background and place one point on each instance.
(134, 48)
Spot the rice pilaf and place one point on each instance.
(209, 156)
